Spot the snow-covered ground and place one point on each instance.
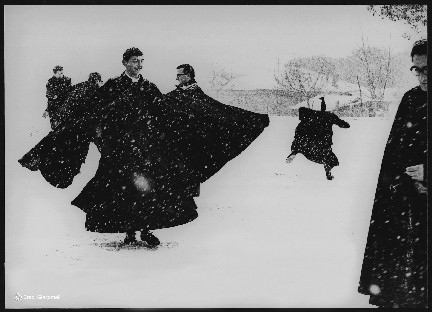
(268, 234)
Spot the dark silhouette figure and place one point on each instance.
(395, 269)
(57, 89)
(314, 137)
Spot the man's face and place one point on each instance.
(420, 62)
(99, 83)
(182, 77)
(58, 74)
(134, 65)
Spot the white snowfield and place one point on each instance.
(269, 234)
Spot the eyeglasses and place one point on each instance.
(417, 71)
(178, 75)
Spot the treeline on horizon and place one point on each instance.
(370, 72)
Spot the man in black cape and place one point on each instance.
(57, 89)
(395, 268)
(223, 130)
(314, 137)
(145, 179)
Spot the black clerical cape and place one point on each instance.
(313, 136)
(394, 267)
(155, 150)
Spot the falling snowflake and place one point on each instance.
(374, 289)
(142, 183)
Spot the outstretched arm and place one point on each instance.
(341, 123)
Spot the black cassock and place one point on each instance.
(314, 136)
(223, 131)
(74, 104)
(147, 175)
(57, 90)
(394, 270)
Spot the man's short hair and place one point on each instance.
(131, 52)
(94, 77)
(187, 69)
(419, 48)
(57, 68)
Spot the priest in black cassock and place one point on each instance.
(57, 89)
(314, 137)
(147, 176)
(395, 264)
(223, 130)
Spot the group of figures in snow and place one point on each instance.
(156, 149)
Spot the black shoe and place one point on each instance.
(130, 238)
(290, 158)
(149, 238)
(329, 175)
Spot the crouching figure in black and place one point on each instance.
(314, 137)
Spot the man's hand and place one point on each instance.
(416, 172)
(45, 114)
(290, 158)
(421, 189)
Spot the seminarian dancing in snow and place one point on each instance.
(155, 151)
(314, 137)
(217, 138)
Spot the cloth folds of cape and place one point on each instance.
(147, 174)
(394, 270)
(313, 136)
(81, 94)
(221, 131)
(60, 154)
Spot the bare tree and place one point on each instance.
(221, 79)
(373, 69)
(358, 83)
(306, 76)
(415, 15)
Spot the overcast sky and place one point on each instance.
(246, 40)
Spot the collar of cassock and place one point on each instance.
(132, 78)
(189, 87)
